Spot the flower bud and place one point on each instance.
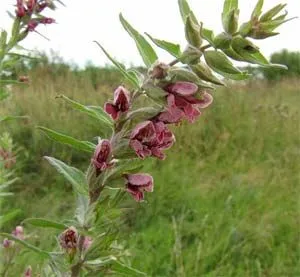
(7, 243)
(28, 272)
(47, 20)
(20, 11)
(159, 70)
(19, 232)
(87, 243)
(102, 155)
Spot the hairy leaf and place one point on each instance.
(45, 223)
(172, 48)
(73, 175)
(64, 139)
(146, 51)
(131, 79)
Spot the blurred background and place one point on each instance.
(226, 199)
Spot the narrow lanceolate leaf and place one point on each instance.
(94, 112)
(205, 73)
(221, 64)
(9, 216)
(73, 175)
(64, 139)
(131, 79)
(186, 11)
(271, 13)
(10, 117)
(257, 10)
(172, 48)
(230, 21)
(27, 245)
(45, 223)
(146, 51)
(125, 270)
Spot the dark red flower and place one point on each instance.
(138, 183)
(120, 103)
(20, 11)
(102, 155)
(150, 138)
(69, 239)
(47, 20)
(183, 102)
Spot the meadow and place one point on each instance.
(229, 206)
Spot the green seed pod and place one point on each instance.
(192, 33)
(222, 41)
(205, 73)
(191, 55)
(230, 21)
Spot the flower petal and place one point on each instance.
(182, 88)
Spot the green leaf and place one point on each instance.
(125, 270)
(186, 11)
(94, 112)
(207, 35)
(145, 49)
(45, 223)
(221, 64)
(131, 79)
(271, 13)
(82, 207)
(10, 117)
(9, 216)
(64, 139)
(205, 73)
(11, 82)
(27, 245)
(5, 194)
(257, 10)
(76, 177)
(172, 48)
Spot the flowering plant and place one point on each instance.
(138, 121)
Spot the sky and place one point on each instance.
(82, 22)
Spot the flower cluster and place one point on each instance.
(26, 9)
(149, 138)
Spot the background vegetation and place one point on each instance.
(228, 207)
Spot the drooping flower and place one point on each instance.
(184, 102)
(136, 184)
(120, 103)
(102, 155)
(19, 232)
(68, 240)
(150, 138)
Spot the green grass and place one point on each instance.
(226, 199)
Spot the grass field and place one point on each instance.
(226, 200)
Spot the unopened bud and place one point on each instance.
(23, 79)
(159, 70)
(7, 243)
(28, 272)
(19, 232)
